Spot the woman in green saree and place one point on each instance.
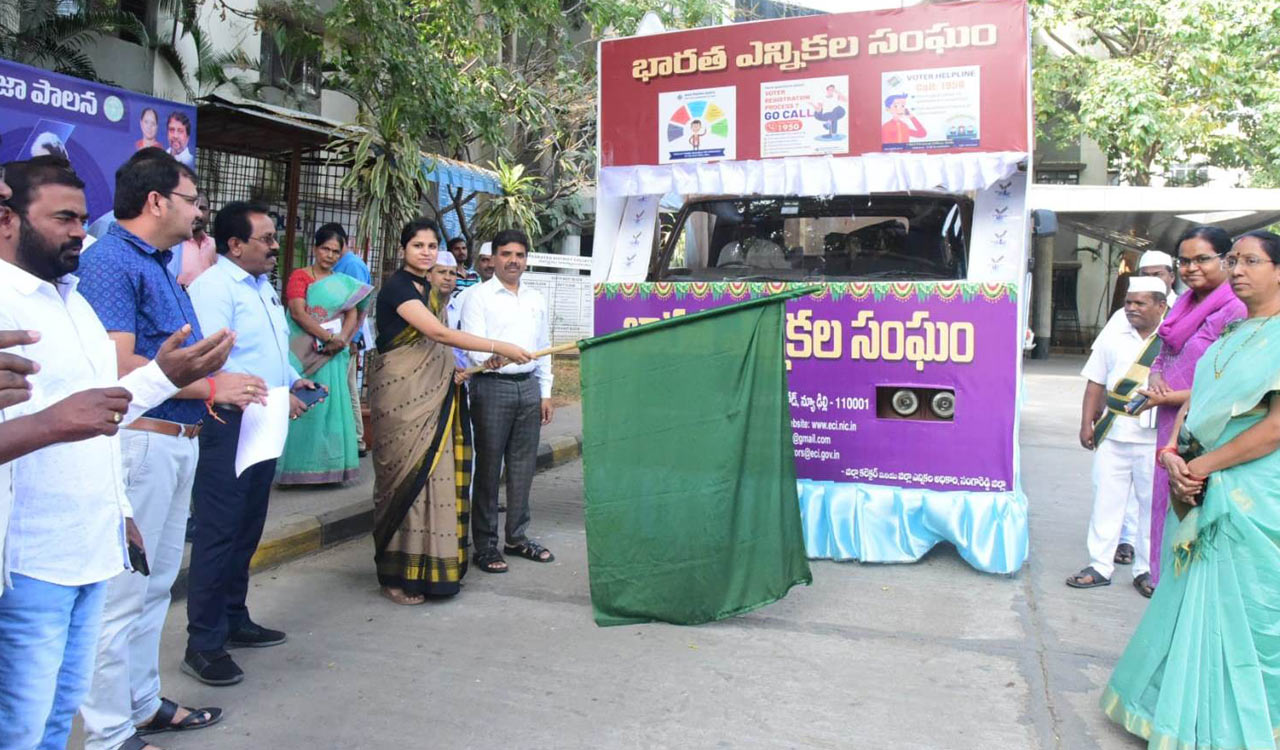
(1202, 670)
(324, 311)
(421, 449)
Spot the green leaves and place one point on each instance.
(512, 78)
(1158, 83)
(515, 208)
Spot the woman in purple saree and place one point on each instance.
(1194, 322)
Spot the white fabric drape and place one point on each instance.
(816, 175)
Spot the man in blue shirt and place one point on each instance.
(351, 264)
(127, 282)
(236, 293)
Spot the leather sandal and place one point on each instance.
(530, 550)
(197, 718)
(1095, 579)
(1143, 584)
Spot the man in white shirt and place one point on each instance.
(70, 520)
(1152, 263)
(508, 405)
(483, 272)
(1123, 444)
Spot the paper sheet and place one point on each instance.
(263, 430)
(333, 326)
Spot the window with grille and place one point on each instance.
(1057, 176)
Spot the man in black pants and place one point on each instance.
(508, 405)
(236, 293)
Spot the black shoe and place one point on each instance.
(253, 635)
(212, 667)
(362, 452)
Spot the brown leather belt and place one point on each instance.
(172, 429)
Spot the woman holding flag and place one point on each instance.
(421, 449)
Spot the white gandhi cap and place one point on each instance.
(1147, 284)
(1153, 258)
(446, 259)
(486, 249)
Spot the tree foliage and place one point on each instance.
(502, 80)
(45, 34)
(1158, 83)
(514, 209)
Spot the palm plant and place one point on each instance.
(385, 176)
(515, 208)
(42, 34)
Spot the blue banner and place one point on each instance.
(96, 127)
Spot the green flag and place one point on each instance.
(691, 507)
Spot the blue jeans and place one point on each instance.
(48, 636)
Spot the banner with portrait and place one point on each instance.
(95, 126)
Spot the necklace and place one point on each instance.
(1217, 371)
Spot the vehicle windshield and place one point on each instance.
(837, 238)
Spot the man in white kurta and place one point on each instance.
(70, 523)
(1124, 457)
(1157, 264)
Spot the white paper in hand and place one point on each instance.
(263, 430)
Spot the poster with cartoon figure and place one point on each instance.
(804, 117)
(697, 125)
(934, 108)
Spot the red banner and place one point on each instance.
(930, 78)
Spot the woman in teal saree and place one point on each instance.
(324, 309)
(1202, 670)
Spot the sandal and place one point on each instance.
(490, 561)
(197, 718)
(135, 743)
(1124, 554)
(530, 550)
(400, 597)
(1087, 579)
(1143, 584)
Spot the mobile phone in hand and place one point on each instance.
(138, 560)
(1133, 406)
(310, 396)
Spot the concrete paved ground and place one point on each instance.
(929, 655)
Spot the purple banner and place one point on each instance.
(96, 127)
(852, 349)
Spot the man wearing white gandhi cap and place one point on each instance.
(1157, 264)
(1123, 444)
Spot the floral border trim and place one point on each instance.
(737, 291)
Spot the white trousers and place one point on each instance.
(353, 385)
(1129, 532)
(1121, 472)
(159, 472)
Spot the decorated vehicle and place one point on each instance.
(880, 154)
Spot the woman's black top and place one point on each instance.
(397, 290)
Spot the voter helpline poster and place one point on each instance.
(946, 78)
(851, 338)
(96, 127)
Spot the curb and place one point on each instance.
(306, 535)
